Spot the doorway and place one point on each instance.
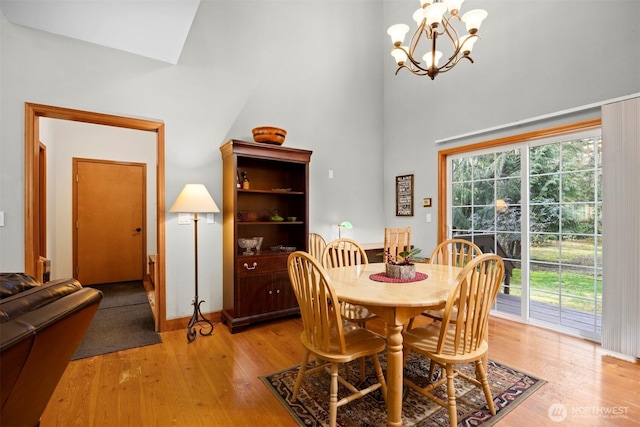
(33, 217)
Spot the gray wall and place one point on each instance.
(320, 69)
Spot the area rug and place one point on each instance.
(509, 387)
(124, 320)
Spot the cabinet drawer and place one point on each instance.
(248, 265)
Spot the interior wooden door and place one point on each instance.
(109, 202)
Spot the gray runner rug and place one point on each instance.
(124, 320)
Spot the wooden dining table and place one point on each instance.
(395, 303)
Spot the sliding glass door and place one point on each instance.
(538, 205)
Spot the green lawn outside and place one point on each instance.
(578, 288)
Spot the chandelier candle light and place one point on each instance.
(435, 19)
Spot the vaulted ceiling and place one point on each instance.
(156, 29)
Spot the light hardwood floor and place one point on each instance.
(214, 380)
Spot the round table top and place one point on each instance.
(352, 284)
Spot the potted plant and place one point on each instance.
(402, 266)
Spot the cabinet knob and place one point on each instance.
(277, 291)
(270, 292)
(255, 264)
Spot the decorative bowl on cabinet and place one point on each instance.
(269, 135)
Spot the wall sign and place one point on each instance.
(404, 195)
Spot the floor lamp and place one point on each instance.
(194, 198)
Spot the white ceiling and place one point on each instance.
(153, 28)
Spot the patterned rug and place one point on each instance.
(509, 387)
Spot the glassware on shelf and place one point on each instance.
(247, 244)
(258, 243)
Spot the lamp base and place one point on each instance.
(198, 319)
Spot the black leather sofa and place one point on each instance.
(41, 327)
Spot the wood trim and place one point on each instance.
(32, 114)
(512, 139)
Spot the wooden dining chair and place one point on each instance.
(462, 336)
(397, 240)
(341, 253)
(316, 245)
(326, 336)
(456, 252)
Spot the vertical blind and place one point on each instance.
(621, 223)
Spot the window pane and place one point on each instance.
(578, 187)
(462, 219)
(508, 164)
(484, 167)
(483, 218)
(509, 190)
(544, 247)
(483, 193)
(545, 278)
(544, 188)
(509, 245)
(578, 218)
(509, 220)
(461, 193)
(544, 218)
(544, 159)
(578, 250)
(461, 169)
(578, 155)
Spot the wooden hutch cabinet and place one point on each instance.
(256, 287)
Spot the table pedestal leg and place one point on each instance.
(394, 375)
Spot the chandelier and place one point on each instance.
(434, 23)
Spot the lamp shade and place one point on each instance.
(194, 198)
(346, 225)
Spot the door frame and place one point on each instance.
(32, 208)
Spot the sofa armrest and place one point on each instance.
(34, 298)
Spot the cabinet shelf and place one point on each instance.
(270, 222)
(240, 190)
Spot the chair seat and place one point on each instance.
(355, 313)
(425, 340)
(359, 342)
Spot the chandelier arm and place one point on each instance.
(413, 45)
(448, 66)
(454, 37)
(456, 57)
(449, 29)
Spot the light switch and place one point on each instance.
(1, 219)
(428, 217)
(330, 173)
(184, 218)
(210, 219)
